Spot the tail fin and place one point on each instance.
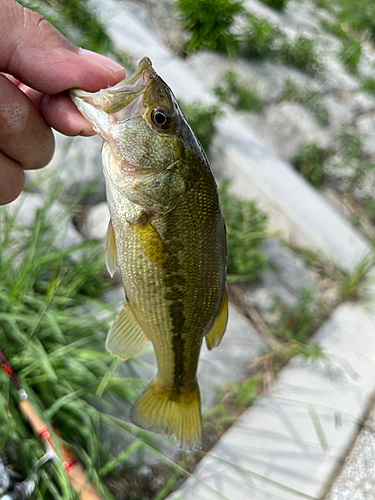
(176, 415)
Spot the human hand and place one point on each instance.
(37, 64)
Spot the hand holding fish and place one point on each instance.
(37, 64)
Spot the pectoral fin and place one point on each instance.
(125, 336)
(110, 250)
(151, 243)
(214, 336)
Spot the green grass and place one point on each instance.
(241, 97)
(258, 39)
(368, 85)
(300, 54)
(297, 322)
(52, 329)
(309, 162)
(208, 24)
(358, 284)
(246, 228)
(311, 99)
(276, 4)
(201, 119)
(350, 54)
(335, 28)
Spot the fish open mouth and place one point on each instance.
(116, 98)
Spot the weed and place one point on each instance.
(300, 53)
(309, 162)
(334, 27)
(358, 16)
(368, 85)
(245, 231)
(297, 322)
(258, 39)
(276, 4)
(350, 54)
(350, 144)
(368, 204)
(357, 284)
(202, 119)
(313, 100)
(209, 24)
(239, 96)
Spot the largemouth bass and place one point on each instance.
(167, 236)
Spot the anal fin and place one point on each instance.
(214, 336)
(110, 250)
(125, 336)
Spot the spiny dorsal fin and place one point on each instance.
(125, 336)
(217, 331)
(151, 243)
(110, 250)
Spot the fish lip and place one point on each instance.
(133, 85)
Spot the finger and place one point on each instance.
(37, 54)
(12, 179)
(24, 135)
(61, 114)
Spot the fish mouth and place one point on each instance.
(116, 98)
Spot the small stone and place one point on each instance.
(145, 471)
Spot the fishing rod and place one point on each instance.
(73, 468)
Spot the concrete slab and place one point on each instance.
(356, 480)
(288, 444)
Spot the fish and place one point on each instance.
(167, 237)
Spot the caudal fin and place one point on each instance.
(176, 415)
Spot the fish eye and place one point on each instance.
(161, 118)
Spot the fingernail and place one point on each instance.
(102, 60)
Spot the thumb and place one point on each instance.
(37, 54)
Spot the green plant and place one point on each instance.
(239, 96)
(209, 24)
(368, 85)
(245, 230)
(313, 100)
(358, 283)
(298, 321)
(334, 27)
(350, 54)
(300, 53)
(52, 329)
(309, 161)
(350, 144)
(358, 16)
(276, 4)
(258, 39)
(202, 119)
